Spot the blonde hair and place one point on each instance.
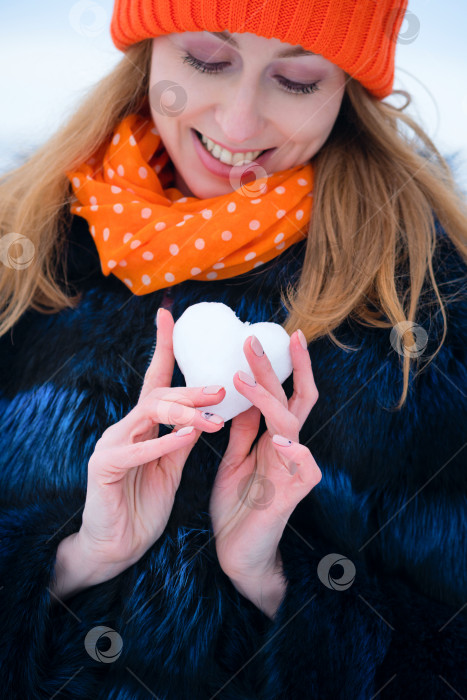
(373, 204)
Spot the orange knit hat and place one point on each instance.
(359, 36)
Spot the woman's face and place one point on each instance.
(244, 106)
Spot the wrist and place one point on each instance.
(266, 591)
(74, 570)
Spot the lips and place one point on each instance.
(223, 170)
(199, 135)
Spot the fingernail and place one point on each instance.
(256, 346)
(185, 431)
(157, 315)
(302, 339)
(213, 417)
(214, 389)
(246, 379)
(280, 440)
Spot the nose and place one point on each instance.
(239, 113)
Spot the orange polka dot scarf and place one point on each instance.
(150, 236)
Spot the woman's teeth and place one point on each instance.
(226, 156)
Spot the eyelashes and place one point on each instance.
(289, 86)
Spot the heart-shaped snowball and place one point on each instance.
(208, 343)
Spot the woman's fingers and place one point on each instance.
(169, 406)
(161, 367)
(109, 465)
(298, 460)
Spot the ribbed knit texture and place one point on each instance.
(359, 36)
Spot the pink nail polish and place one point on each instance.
(302, 339)
(280, 440)
(244, 377)
(256, 346)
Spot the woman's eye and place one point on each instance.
(297, 88)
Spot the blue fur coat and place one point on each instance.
(392, 500)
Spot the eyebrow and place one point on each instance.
(287, 53)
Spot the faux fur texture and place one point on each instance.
(392, 499)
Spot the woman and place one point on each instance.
(137, 562)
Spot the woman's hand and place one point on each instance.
(133, 475)
(248, 527)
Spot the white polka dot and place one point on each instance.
(127, 237)
(199, 244)
(130, 190)
(187, 216)
(160, 226)
(226, 235)
(146, 212)
(280, 246)
(182, 199)
(147, 255)
(116, 139)
(280, 189)
(132, 140)
(173, 249)
(280, 213)
(195, 271)
(128, 282)
(118, 208)
(106, 234)
(231, 207)
(302, 181)
(180, 223)
(115, 189)
(145, 279)
(218, 266)
(88, 177)
(93, 200)
(250, 256)
(255, 201)
(110, 172)
(78, 209)
(211, 275)
(121, 170)
(112, 264)
(278, 238)
(76, 181)
(299, 214)
(142, 172)
(169, 277)
(93, 230)
(254, 224)
(135, 244)
(206, 213)
(94, 207)
(123, 263)
(257, 264)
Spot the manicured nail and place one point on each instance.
(157, 315)
(214, 389)
(185, 431)
(280, 440)
(244, 377)
(302, 339)
(213, 417)
(256, 346)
